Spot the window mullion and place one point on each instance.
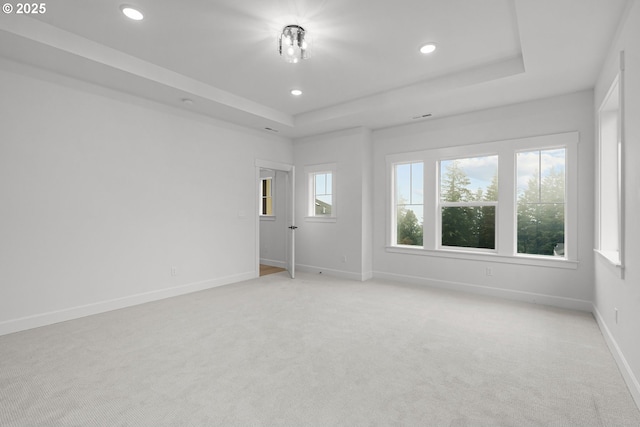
(431, 183)
(506, 213)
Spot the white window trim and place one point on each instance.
(271, 217)
(506, 237)
(440, 204)
(394, 210)
(614, 258)
(309, 172)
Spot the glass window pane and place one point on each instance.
(528, 166)
(541, 175)
(552, 173)
(269, 206)
(409, 195)
(417, 183)
(541, 207)
(403, 184)
(469, 179)
(323, 204)
(469, 227)
(320, 183)
(328, 184)
(409, 225)
(541, 229)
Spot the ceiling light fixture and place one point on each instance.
(428, 48)
(296, 92)
(292, 44)
(131, 12)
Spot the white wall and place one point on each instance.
(321, 246)
(103, 193)
(563, 287)
(273, 230)
(612, 291)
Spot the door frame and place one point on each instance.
(290, 195)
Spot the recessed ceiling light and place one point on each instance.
(296, 92)
(131, 12)
(428, 48)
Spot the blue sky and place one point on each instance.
(480, 170)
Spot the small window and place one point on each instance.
(266, 197)
(541, 202)
(409, 203)
(468, 202)
(321, 191)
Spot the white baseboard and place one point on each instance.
(530, 297)
(273, 263)
(361, 277)
(44, 319)
(632, 382)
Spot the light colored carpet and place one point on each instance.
(316, 351)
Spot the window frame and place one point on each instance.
(394, 208)
(440, 204)
(612, 256)
(506, 211)
(310, 172)
(528, 150)
(271, 180)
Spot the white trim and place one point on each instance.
(310, 171)
(616, 258)
(321, 218)
(612, 258)
(528, 297)
(44, 319)
(361, 277)
(477, 255)
(272, 186)
(268, 164)
(276, 166)
(506, 244)
(632, 382)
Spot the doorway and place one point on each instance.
(275, 230)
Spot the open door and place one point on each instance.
(291, 222)
(290, 227)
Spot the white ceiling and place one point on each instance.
(365, 68)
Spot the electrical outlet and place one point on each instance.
(488, 271)
(174, 271)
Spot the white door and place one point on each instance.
(291, 222)
(290, 225)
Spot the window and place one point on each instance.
(266, 196)
(409, 205)
(515, 200)
(321, 192)
(541, 202)
(609, 212)
(468, 202)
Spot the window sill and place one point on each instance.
(612, 257)
(267, 218)
(320, 218)
(532, 260)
